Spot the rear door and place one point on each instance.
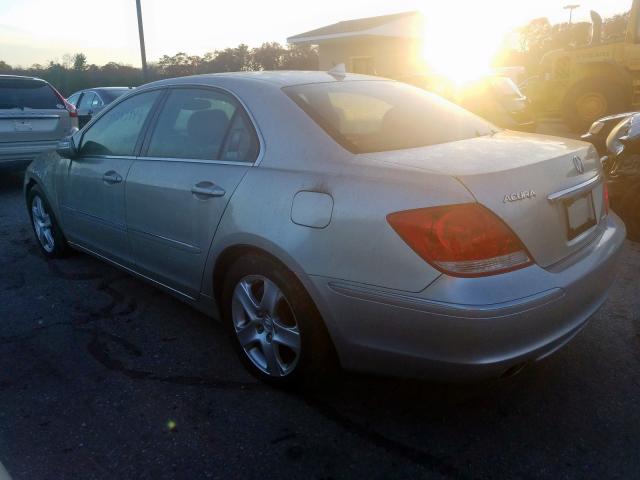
(92, 196)
(201, 146)
(31, 111)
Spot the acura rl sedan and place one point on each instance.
(338, 219)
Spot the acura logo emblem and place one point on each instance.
(577, 162)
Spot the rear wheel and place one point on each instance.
(590, 100)
(45, 226)
(275, 327)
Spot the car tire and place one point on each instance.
(589, 100)
(274, 325)
(45, 226)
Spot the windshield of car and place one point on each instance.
(377, 116)
(27, 94)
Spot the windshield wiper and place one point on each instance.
(8, 106)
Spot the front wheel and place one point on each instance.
(275, 326)
(45, 226)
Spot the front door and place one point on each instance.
(200, 148)
(93, 193)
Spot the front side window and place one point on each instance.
(117, 131)
(86, 100)
(377, 116)
(73, 99)
(202, 124)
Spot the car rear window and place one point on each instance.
(28, 94)
(376, 116)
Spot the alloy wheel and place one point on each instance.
(42, 224)
(266, 326)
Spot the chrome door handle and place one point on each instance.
(207, 189)
(111, 177)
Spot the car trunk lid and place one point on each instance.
(548, 190)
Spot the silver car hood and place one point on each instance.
(513, 174)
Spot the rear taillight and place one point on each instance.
(465, 240)
(605, 198)
(73, 113)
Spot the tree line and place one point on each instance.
(74, 72)
(540, 36)
(525, 47)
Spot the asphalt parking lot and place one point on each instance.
(102, 376)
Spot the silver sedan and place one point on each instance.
(335, 219)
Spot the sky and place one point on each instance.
(36, 31)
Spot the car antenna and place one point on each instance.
(338, 72)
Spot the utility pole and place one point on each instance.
(571, 8)
(143, 54)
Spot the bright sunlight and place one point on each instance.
(462, 53)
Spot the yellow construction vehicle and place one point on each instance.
(585, 83)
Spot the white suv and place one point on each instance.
(33, 117)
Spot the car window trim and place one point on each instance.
(241, 105)
(143, 130)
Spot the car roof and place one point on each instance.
(21, 77)
(92, 89)
(279, 79)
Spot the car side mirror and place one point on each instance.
(67, 148)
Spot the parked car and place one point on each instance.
(498, 99)
(622, 168)
(321, 215)
(601, 128)
(493, 97)
(91, 101)
(33, 117)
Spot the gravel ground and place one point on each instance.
(104, 377)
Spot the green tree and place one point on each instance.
(268, 56)
(79, 62)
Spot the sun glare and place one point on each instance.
(460, 50)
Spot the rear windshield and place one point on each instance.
(28, 94)
(377, 116)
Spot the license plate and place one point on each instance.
(580, 213)
(22, 126)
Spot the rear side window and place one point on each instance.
(117, 131)
(203, 124)
(28, 94)
(376, 116)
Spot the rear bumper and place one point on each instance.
(465, 329)
(18, 154)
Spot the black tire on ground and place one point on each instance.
(630, 213)
(610, 92)
(317, 361)
(60, 246)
